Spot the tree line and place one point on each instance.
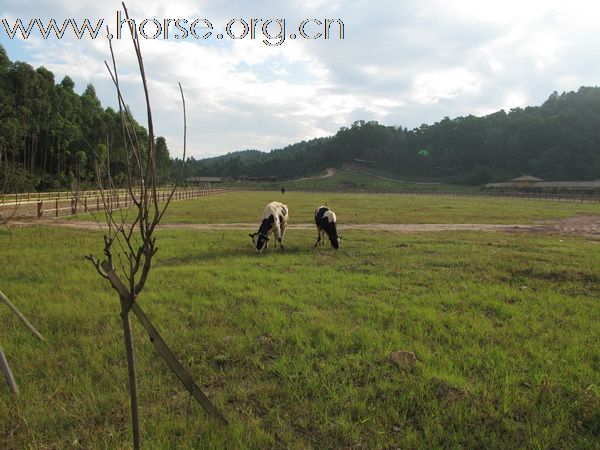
(51, 137)
(559, 140)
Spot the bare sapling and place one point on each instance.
(129, 240)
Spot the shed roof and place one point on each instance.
(527, 178)
(205, 179)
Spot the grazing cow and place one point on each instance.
(275, 218)
(326, 223)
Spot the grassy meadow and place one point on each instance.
(356, 208)
(294, 347)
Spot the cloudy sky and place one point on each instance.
(401, 63)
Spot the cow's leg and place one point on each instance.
(282, 234)
(273, 235)
(278, 234)
(318, 237)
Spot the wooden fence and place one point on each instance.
(572, 198)
(564, 197)
(25, 197)
(56, 204)
(32, 205)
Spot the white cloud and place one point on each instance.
(431, 87)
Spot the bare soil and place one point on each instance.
(581, 225)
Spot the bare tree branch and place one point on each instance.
(184, 153)
(129, 238)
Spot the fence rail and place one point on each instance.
(564, 197)
(573, 198)
(34, 205)
(42, 206)
(35, 197)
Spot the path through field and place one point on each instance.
(582, 225)
(328, 173)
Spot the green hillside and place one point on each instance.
(559, 140)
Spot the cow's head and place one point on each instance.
(336, 241)
(259, 240)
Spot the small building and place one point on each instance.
(205, 182)
(533, 184)
(578, 186)
(525, 180)
(365, 162)
(249, 179)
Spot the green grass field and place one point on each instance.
(352, 208)
(294, 347)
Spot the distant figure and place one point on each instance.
(282, 190)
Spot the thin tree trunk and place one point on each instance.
(34, 146)
(45, 159)
(8, 374)
(23, 319)
(128, 340)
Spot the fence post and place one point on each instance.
(56, 207)
(39, 209)
(73, 206)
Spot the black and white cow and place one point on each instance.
(275, 218)
(326, 220)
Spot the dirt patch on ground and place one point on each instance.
(583, 225)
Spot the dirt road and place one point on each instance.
(583, 225)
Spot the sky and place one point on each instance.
(401, 63)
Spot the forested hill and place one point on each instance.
(50, 135)
(51, 138)
(559, 140)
